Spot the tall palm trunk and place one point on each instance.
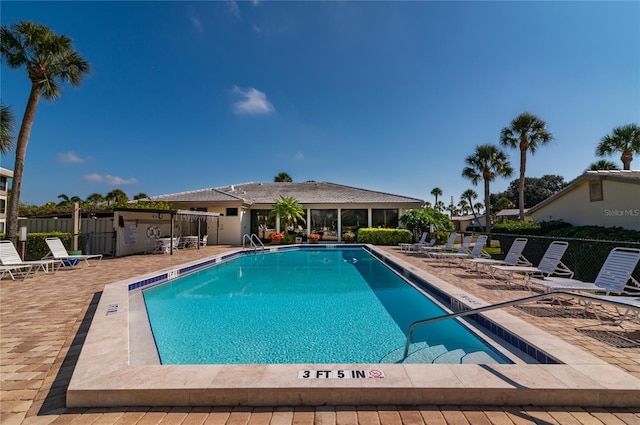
(626, 159)
(523, 167)
(487, 214)
(21, 153)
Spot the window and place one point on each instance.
(354, 219)
(325, 223)
(2, 206)
(3, 183)
(384, 218)
(595, 190)
(232, 212)
(1, 227)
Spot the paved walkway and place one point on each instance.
(43, 322)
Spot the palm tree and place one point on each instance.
(65, 200)
(625, 139)
(436, 191)
(469, 195)
(7, 122)
(140, 195)
(117, 196)
(487, 163)
(95, 199)
(440, 206)
(282, 177)
(602, 164)
(289, 211)
(525, 132)
(49, 59)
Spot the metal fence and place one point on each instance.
(584, 257)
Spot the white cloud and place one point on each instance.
(70, 157)
(254, 102)
(300, 155)
(234, 8)
(195, 20)
(256, 29)
(109, 179)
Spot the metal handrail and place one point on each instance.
(252, 238)
(503, 304)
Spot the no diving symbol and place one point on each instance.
(375, 373)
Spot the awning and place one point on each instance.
(186, 215)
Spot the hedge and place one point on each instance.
(36, 247)
(379, 236)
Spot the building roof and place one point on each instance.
(510, 211)
(625, 176)
(304, 193)
(6, 172)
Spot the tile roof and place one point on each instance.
(305, 193)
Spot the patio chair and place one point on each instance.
(446, 247)
(9, 257)
(24, 270)
(203, 241)
(410, 246)
(613, 278)
(57, 251)
(462, 250)
(550, 264)
(514, 257)
(477, 252)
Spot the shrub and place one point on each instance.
(384, 236)
(276, 236)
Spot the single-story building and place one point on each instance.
(460, 223)
(600, 198)
(511, 214)
(330, 209)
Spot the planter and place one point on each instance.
(313, 240)
(298, 240)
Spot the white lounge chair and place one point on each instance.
(57, 251)
(550, 264)
(477, 252)
(9, 257)
(203, 241)
(613, 278)
(413, 246)
(514, 257)
(446, 247)
(16, 270)
(462, 250)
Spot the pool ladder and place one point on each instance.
(253, 240)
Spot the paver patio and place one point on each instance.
(43, 322)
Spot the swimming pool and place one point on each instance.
(312, 306)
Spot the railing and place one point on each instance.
(551, 294)
(253, 240)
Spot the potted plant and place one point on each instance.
(349, 237)
(313, 238)
(276, 237)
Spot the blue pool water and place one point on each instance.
(303, 306)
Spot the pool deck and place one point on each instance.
(44, 321)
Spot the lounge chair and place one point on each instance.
(203, 241)
(477, 252)
(550, 264)
(462, 250)
(414, 246)
(514, 257)
(446, 247)
(24, 270)
(57, 251)
(9, 257)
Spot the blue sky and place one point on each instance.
(388, 96)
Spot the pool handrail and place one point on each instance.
(252, 241)
(517, 301)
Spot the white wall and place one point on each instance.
(620, 206)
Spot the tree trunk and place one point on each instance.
(524, 145)
(487, 214)
(21, 153)
(626, 159)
